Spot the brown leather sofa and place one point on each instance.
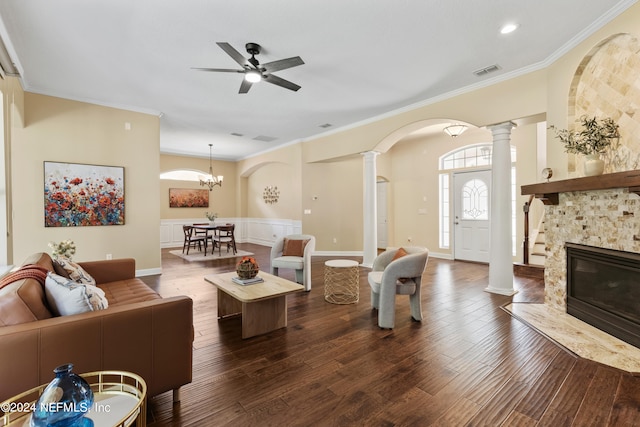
(139, 332)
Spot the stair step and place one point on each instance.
(544, 254)
(529, 270)
(537, 260)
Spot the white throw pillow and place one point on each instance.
(66, 297)
(76, 272)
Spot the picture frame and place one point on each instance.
(188, 198)
(79, 195)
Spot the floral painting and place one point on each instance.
(77, 195)
(188, 198)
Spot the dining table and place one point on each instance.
(207, 228)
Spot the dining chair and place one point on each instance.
(190, 240)
(225, 235)
(198, 232)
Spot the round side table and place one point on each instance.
(341, 281)
(119, 400)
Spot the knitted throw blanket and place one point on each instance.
(30, 271)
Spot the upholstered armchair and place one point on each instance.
(294, 251)
(397, 271)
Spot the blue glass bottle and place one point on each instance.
(64, 401)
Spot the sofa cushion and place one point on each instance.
(127, 292)
(59, 269)
(67, 297)
(76, 272)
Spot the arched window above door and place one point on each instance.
(470, 156)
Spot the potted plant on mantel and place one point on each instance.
(592, 140)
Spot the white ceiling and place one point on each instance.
(363, 59)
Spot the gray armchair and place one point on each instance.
(287, 256)
(402, 276)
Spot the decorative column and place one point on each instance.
(369, 211)
(500, 253)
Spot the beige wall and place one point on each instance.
(333, 193)
(68, 131)
(561, 74)
(278, 175)
(519, 97)
(281, 168)
(221, 199)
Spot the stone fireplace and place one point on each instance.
(598, 213)
(599, 218)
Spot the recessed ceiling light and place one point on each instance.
(508, 28)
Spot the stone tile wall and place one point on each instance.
(603, 218)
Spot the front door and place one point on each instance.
(472, 216)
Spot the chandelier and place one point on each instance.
(211, 180)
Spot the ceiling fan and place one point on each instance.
(254, 71)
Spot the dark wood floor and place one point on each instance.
(467, 363)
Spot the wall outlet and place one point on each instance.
(335, 240)
(109, 256)
(307, 211)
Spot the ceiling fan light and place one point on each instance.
(455, 130)
(252, 76)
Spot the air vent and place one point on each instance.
(486, 70)
(264, 138)
(236, 134)
(326, 125)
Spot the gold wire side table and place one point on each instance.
(341, 281)
(119, 400)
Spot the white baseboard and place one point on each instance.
(337, 253)
(441, 255)
(148, 272)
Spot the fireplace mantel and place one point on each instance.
(548, 192)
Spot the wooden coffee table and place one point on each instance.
(263, 306)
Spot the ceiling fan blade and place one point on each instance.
(270, 78)
(282, 64)
(233, 53)
(218, 70)
(245, 86)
